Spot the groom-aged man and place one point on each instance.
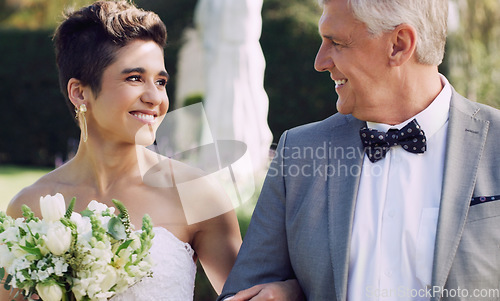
(405, 205)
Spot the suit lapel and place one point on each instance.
(343, 188)
(460, 173)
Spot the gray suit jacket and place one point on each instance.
(301, 226)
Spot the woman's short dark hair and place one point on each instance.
(87, 40)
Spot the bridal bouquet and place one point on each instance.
(91, 255)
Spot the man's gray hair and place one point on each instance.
(428, 17)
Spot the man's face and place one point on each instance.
(358, 62)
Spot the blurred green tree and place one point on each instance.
(34, 14)
(473, 48)
(297, 93)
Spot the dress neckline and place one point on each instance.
(188, 247)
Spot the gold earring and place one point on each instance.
(80, 115)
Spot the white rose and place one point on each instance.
(53, 207)
(50, 292)
(58, 238)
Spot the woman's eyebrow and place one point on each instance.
(142, 71)
(164, 73)
(132, 70)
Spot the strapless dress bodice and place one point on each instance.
(173, 269)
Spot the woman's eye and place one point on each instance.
(161, 82)
(134, 78)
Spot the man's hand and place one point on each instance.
(288, 290)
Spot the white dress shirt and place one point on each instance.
(395, 220)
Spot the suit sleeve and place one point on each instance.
(264, 255)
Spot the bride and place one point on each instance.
(111, 69)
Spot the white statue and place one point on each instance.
(235, 101)
(227, 136)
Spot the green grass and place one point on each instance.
(14, 178)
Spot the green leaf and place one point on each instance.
(22, 232)
(87, 213)
(7, 285)
(34, 251)
(2, 273)
(124, 246)
(30, 245)
(117, 229)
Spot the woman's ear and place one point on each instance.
(404, 43)
(76, 92)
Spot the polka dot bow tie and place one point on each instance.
(377, 144)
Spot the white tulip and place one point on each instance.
(50, 292)
(58, 239)
(53, 207)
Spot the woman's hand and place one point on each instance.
(288, 290)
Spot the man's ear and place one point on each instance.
(77, 93)
(404, 43)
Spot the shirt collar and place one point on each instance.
(431, 119)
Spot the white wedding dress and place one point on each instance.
(173, 272)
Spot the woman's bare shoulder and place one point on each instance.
(30, 195)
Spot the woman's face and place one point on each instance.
(133, 99)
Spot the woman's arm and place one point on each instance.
(217, 242)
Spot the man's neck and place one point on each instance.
(414, 91)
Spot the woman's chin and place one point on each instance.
(145, 139)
